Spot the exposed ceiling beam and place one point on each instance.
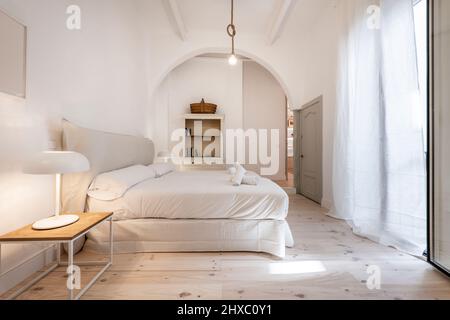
(279, 18)
(175, 17)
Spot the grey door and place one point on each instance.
(308, 151)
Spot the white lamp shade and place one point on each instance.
(56, 162)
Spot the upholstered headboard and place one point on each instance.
(106, 152)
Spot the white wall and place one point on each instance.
(303, 59)
(319, 69)
(165, 50)
(247, 94)
(200, 78)
(104, 75)
(265, 108)
(93, 77)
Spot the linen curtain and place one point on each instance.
(379, 173)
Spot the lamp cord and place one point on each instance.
(231, 28)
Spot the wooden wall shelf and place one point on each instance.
(204, 137)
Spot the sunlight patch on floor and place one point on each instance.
(297, 267)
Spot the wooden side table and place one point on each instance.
(66, 235)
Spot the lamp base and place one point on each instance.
(55, 222)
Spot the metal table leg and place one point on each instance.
(1, 271)
(31, 282)
(70, 266)
(106, 267)
(58, 253)
(70, 270)
(111, 241)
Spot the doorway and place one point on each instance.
(290, 147)
(308, 150)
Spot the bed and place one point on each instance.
(181, 211)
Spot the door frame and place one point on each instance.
(298, 148)
(431, 149)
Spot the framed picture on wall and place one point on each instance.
(13, 47)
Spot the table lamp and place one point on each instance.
(57, 163)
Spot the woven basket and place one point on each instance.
(203, 107)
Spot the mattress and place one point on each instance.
(162, 235)
(197, 195)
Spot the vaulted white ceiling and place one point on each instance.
(267, 18)
(250, 15)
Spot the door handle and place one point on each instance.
(302, 156)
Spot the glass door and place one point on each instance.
(439, 115)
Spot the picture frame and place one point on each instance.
(13, 55)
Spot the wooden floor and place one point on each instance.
(328, 262)
(289, 183)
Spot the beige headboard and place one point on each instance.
(106, 152)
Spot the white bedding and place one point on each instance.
(197, 195)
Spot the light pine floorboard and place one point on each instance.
(319, 240)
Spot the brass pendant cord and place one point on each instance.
(231, 28)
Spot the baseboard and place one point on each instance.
(19, 274)
(290, 191)
(327, 204)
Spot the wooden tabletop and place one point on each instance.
(87, 221)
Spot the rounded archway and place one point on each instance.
(252, 95)
(211, 50)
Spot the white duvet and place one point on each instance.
(197, 195)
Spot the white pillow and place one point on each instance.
(161, 169)
(114, 184)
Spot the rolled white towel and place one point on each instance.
(232, 170)
(237, 178)
(251, 179)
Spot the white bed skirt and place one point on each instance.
(163, 235)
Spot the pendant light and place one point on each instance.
(231, 30)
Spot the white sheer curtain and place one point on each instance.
(379, 173)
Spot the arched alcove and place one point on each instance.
(210, 50)
(251, 90)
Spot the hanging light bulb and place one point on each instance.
(231, 30)
(232, 60)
